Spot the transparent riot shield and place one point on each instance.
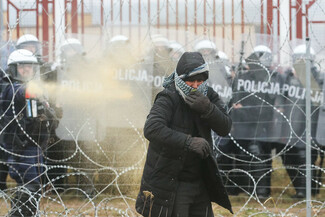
(163, 66)
(6, 47)
(290, 106)
(254, 93)
(220, 79)
(137, 79)
(320, 137)
(81, 98)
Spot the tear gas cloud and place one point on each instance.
(105, 102)
(100, 88)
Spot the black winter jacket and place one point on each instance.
(167, 128)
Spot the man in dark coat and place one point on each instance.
(180, 176)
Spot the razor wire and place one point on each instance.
(110, 91)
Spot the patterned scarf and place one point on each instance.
(182, 88)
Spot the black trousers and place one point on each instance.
(261, 150)
(192, 200)
(3, 170)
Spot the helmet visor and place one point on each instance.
(265, 58)
(72, 50)
(27, 71)
(33, 46)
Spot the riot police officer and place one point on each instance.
(31, 43)
(163, 64)
(176, 50)
(3, 155)
(26, 136)
(207, 48)
(72, 75)
(292, 103)
(252, 113)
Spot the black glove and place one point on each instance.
(199, 146)
(198, 102)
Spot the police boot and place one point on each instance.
(242, 179)
(29, 204)
(300, 185)
(226, 165)
(263, 185)
(258, 170)
(15, 206)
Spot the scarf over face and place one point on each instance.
(184, 89)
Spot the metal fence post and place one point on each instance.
(308, 131)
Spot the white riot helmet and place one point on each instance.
(264, 54)
(159, 41)
(206, 48)
(176, 50)
(23, 65)
(31, 43)
(223, 57)
(118, 42)
(160, 45)
(71, 48)
(119, 39)
(300, 53)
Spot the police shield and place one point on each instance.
(320, 137)
(254, 93)
(80, 95)
(163, 66)
(290, 106)
(138, 80)
(315, 92)
(220, 79)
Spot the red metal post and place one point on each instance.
(82, 21)
(37, 22)
(45, 20)
(74, 16)
(18, 26)
(269, 17)
(82, 17)
(278, 17)
(17, 18)
(307, 20)
(8, 25)
(262, 16)
(214, 18)
(299, 18)
(290, 18)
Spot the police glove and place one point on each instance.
(199, 146)
(198, 102)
